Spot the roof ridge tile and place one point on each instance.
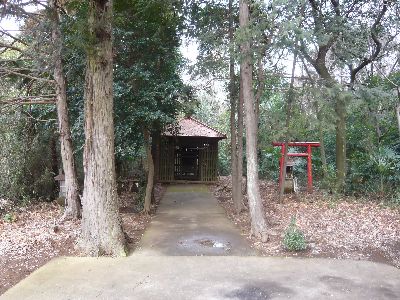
(209, 127)
(191, 127)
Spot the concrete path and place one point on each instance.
(208, 277)
(189, 221)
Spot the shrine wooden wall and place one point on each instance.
(170, 162)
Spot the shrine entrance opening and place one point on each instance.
(187, 163)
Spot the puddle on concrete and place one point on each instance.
(211, 243)
(208, 244)
(205, 242)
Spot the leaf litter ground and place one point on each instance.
(34, 237)
(334, 227)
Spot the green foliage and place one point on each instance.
(148, 91)
(9, 218)
(26, 158)
(141, 194)
(372, 134)
(395, 200)
(385, 161)
(224, 162)
(269, 162)
(294, 239)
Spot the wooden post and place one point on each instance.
(281, 165)
(309, 170)
(156, 155)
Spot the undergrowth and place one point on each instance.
(294, 239)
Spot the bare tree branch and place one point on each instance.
(378, 45)
(5, 32)
(10, 46)
(7, 71)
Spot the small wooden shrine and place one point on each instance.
(188, 151)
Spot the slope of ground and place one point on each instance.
(333, 227)
(32, 237)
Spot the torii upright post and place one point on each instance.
(309, 170)
(308, 155)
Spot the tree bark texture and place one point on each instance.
(261, 86)
(234, 156)
(258, 222)
(73, 206)
(236, 190)
(340, 108)
(321, 141)
(150, 172)
(398, 115)
(156, 154)
(240, 131)
(54, 163)
(101, 224)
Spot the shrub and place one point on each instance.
(26, 159)
(294, 239)
(395, 200)
(10, 218)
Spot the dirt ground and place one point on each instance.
(334, 227)
(34, 237)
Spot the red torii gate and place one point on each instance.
(307, 154)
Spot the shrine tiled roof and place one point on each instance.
(190, 127)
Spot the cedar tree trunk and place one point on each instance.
(240, 129)
(398, 114)
(236, 191)
(258, 222)
(150, 173)
(101, 224)
(54, 163)
(260, 89)
(340, 108)
(321, 141)
(73, 206)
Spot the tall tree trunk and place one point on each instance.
(323, 152)
(156, 155)
(236, 196)
(234, 156)
(261, 86)
(340, 108)
(73, 206)
(289, 104)
(54, 164)
(101, 224)
(240, 130)
(150, 172)
(258, 222)
(321, 140)
(398, 116)
(340, 130)
(398, 108)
